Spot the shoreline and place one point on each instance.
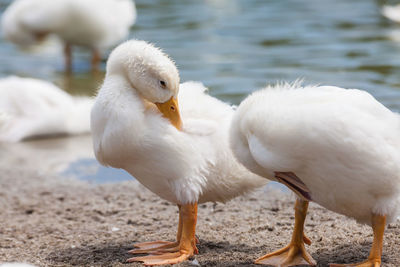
(48, 221)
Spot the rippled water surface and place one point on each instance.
(237, 46)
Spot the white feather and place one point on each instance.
(129, 132)
(32, 108)
(391, 12)
(343, 144)
(89, 23)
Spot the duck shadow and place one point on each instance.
(342, 254)
(215, 254)
(115, 254)
(226, 254)
(345, 254)
(107, 254)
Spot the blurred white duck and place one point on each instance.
(391, 12)
(94, 24)
(136, 125)
(337, 147)
(32, 108)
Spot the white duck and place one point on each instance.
(136, 125)
(94, 24)
(337, 147)
(32, 108)
(391, 12)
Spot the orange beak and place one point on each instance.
(170, 110)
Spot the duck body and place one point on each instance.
(182, 167)
(89, 23)
(336, 147)
(93, 24)
(31, 108)
(181, 153)
(342, 144)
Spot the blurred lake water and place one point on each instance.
(237, 46)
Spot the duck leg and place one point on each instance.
(96, 59)
(295, 253)
(150, 247)
(68, 57)
(374, 259)
(187, 242)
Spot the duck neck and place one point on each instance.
(126, 98)
(118, 111)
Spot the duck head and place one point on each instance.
(151, 73)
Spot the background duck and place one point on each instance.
(337, 147)
(391, 12)
(32, 108)
(181, 153)
(97, 25)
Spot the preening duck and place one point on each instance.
(94, 24)
(31, 108)
(336, 147)
(181, 153)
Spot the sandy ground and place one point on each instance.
(49, 221)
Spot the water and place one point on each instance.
(237, 46)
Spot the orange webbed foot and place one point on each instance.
(367, 263)
(162, 252)
(290, 255)
(295, 253)
(163, 259)
(150, 247)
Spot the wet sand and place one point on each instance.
(50, 221)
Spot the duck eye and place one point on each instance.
(163, 84)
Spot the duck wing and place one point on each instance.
(201, 113)
(280, 165)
